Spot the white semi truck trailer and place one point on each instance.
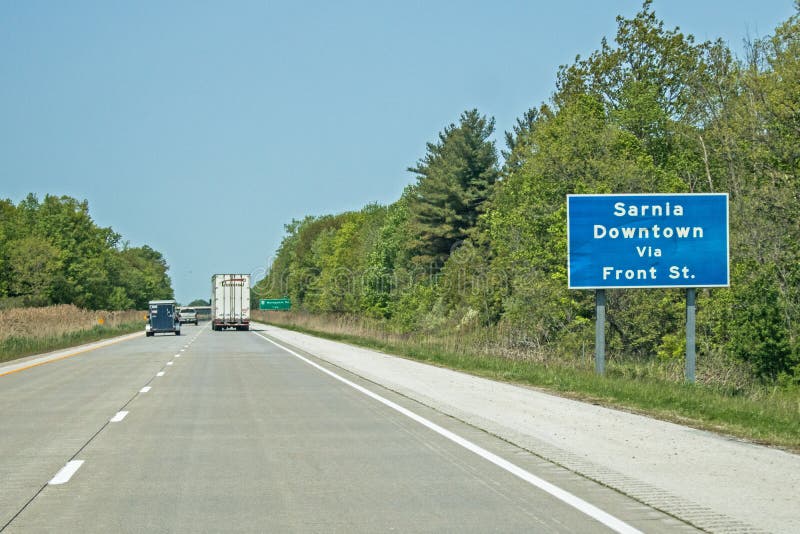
(230, 301)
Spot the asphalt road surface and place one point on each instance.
(230, 432)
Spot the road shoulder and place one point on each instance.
(22, 364)
(716, 483)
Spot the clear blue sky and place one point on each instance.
(233, 118)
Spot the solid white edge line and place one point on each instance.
(144, 389)
(576, 502)
(119, 417)
(66, 472)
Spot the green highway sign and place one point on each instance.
(274, 304)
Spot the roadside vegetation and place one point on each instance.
(57, 266)
(468, 266)
(29, 331)
(756, 412)
(52, 252)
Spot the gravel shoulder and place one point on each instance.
(716, 483)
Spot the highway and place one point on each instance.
(231, 432)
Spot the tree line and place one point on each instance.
(52, 252)
(479, 240)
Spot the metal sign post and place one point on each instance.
(600, 332)
(690, 334)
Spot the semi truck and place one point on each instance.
(230, 301)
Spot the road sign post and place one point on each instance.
(600, 332)
(647, 241)
(690, 334)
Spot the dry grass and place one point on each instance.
(27, 331)
(501, 342)
(56, 321)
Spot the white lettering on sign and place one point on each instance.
(647, 240)
(676, 272)
(648, 232)
(612, 273)
(650, 252)
(644, 210)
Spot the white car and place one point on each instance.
(188, 315)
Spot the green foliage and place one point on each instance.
(416, 308)
(454, 180)
(385, 262)
(321, 263)
(32, 263)
(473, 246)
(341, 255)
(51, 252)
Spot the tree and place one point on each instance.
(8, 220)
(298, 262)
(757, 136)
(342, 257)
(143, 275)
(651, 111)
(648, 84)
(32, 263)
(454, 180)
(386, 261)
(52, 252)
(517, 138)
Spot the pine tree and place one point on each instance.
(454, 180)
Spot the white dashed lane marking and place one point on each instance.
(66, 472)
(119, 417)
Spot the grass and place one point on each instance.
(758, 413)
(28, 331)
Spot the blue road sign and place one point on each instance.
(625, 241)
